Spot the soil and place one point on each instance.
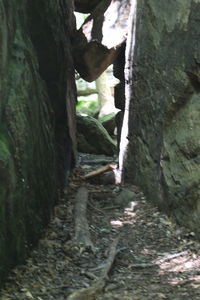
(155, 259)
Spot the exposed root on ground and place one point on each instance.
(97, 287)
(81, 256)
(82, 232)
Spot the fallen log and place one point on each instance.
(100, 171)
(111, 257)
(98, 286)
(82, 232)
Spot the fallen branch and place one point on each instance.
(97, 209)
(87, 293)
(99, 171)
(82, 233)
(170, 256)
(141, 266)
(98, 286)
(89, 275)
(110, 259)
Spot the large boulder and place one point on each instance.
(36, 77)
(93, 138)
(164, 111)
(108, 122)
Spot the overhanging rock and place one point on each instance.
(97, 42)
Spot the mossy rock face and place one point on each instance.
(108, 122)
(93, 137)
(34, 129)
(181, 162)
(164, 119)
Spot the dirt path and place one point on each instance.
(156, 259)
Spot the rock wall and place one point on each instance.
(164, 118)
(37, 98)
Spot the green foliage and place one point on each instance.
(106, 118)
(4, 151)
(88, 105)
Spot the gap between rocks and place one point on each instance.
(135, 252)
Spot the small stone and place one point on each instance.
(124, 197)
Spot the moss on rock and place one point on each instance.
(163, 154)
(93, 137)
(36, 78)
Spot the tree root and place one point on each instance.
(82, 233)
(98, 286)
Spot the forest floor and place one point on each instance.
(155, 258)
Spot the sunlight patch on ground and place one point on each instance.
(131, 207)
(194, 281)
(129, 216)
(183, 262)
(116, 223)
